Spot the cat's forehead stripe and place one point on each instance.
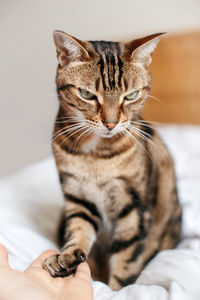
(104, 46)
(101, 63)
(110, 63)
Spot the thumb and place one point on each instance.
(3, 257)
(83, 272)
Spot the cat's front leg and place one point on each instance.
(82, 224)
(128, 245)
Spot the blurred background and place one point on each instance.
(28, 63)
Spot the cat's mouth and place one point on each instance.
(108, 134)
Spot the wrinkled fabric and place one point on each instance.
(31, 203)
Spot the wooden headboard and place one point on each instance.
(176, 80)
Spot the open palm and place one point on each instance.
(36, 283)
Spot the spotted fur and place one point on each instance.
(117, 176)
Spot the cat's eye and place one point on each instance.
(132, 96)
(86, 94)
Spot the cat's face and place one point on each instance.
(103, 85)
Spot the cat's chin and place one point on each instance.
(107, 135)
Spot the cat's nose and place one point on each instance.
(110, 125)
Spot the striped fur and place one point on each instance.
(117, 177)
(110, 63)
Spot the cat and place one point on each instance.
(117, 175)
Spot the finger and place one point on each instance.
(83, 272)
(3, 257)
(38, 262)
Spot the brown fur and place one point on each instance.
(117, 177)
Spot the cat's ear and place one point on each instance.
(140, 50)
(69, 48)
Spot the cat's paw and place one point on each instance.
(64, 264)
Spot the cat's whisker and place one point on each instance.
(65, 120)
(86, 135)
(155, 98)
(66, 129)
(143, 134)
(139, 133)
(76, 140)
(75, 124)
(68, 120)
(143, 124)
(150, 122)
(138, 143)
(148, 134)
(96, 128)
(69, 117)
(124, 133)
(76, 131)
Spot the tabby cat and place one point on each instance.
(117, 176)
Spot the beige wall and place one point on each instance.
(28, 60)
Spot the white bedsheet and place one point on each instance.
(31, 202)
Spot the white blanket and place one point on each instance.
(31, 202)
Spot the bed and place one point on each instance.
(31, 200)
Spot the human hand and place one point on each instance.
(36, 283)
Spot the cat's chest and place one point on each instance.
(100, 181)
(104, 184)
(107, 194)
